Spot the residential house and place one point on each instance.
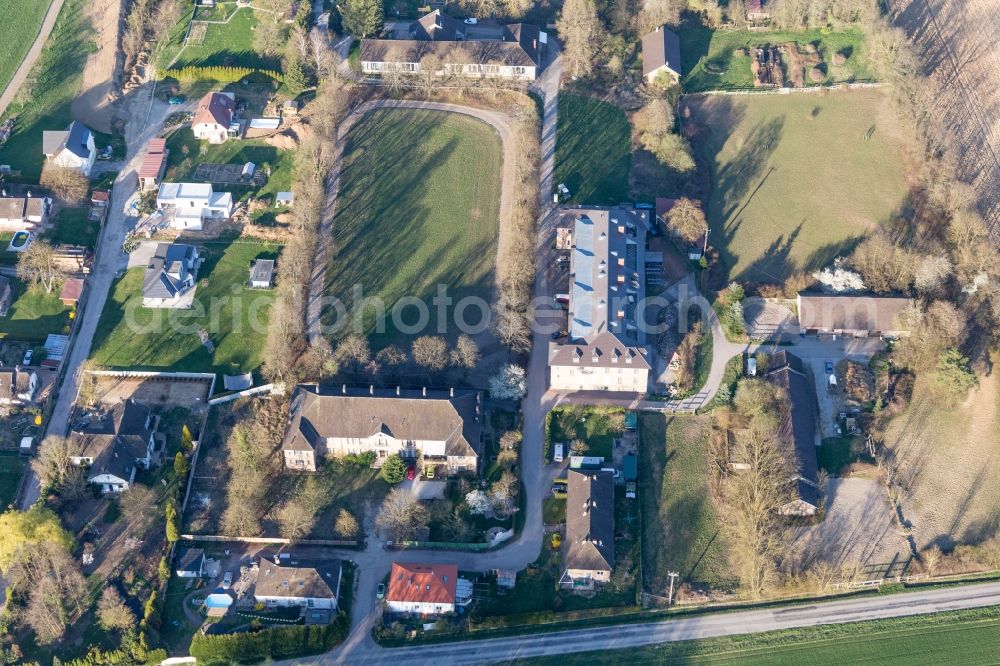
(261, 274)
(214, 117)
(169, 280)
(17, 387)
(756, 11)
(444, 427)
(191, 563)
(856, 316)
(28, 212)
(188, 205)
(589, 548)
(116, 445)
(6, 296)
(661, 54)
(422, 589)
(314, 587)
(799, 432)
(72, 148)
(606, 347)
(154, 164)
(485, 49)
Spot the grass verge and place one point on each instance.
(593, 150)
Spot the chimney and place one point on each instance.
(343, 389)
(451, 392)
(371, 389)
(397, 391)
(424, 392)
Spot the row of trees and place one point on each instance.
(148, 21)
(429, 352)
(251, 461)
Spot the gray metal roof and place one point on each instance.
(660, 48)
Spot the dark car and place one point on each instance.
(829, 367)
(411, 472)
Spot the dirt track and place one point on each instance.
(956, 40)
(93, 106)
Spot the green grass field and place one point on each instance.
(957, 637)
(57, 74)
(588, 424)
(714, 60)
(74, 227)
(681, 531)
(794, 182)
(224, 44)
(11, 467)
(593, 150)
(418, 207)
(22, 20)
(33, 314)
(131, 336)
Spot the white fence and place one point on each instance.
(246, 393)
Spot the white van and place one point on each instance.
(558, 452)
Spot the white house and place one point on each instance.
(606, 346)
(113, 447)
(188, 205)
(72, 148)
(442, 427)
(422, 589)
(484, 49)
(28, 212)
(170, 277)
(214, 117)
(310, 587)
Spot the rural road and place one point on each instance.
(651, 633)
(29, 59)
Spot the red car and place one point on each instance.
(411, 472)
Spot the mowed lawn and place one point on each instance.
(681, 530)
(235, 318)
(957, 637)
(57, 75)
(224, 44)
(418, 207)
(33, 313)
(11, 468)
(593, 150)
(795, 183)
(18, 29)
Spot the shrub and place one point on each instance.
(260, 646)
(220, 74)
(363, 459)
(393, 470)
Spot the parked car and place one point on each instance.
(380, 591)
(751, 367)
(559, 492)
(176, 100)
(829, 367)
(558, 452)
(429, 472)
(411, 472)
(27, 357)
(630, 490)
(227, 580)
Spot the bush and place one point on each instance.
(363, 459)
(220, 74)
(277, 643)
(393, 470)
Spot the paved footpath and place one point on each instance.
(31, 56)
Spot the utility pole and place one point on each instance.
(670, 599)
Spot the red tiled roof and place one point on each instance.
(423, 583)
(100, 195)
(153, 161)
(214, 108)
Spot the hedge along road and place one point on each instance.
(29, 59)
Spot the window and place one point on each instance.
(492, 69)
(519, 71)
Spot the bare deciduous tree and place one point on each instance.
(38, 266)
(346, 526)
(402, 516)
(430, 351)
(687, 220)
(67, 184)
(54, 461)
(138, 503)
(391, 356)
(112, 612)
(466, 352)
(580, 29)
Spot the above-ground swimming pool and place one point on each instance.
(20, 241)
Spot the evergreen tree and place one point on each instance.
(363, 18)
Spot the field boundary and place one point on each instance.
(785, 91)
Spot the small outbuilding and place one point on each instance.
(71, 292)
(661, 54)
(284, 200)
(191, 563)
(262, 274)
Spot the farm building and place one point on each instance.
(787, 370)
(853, 315)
